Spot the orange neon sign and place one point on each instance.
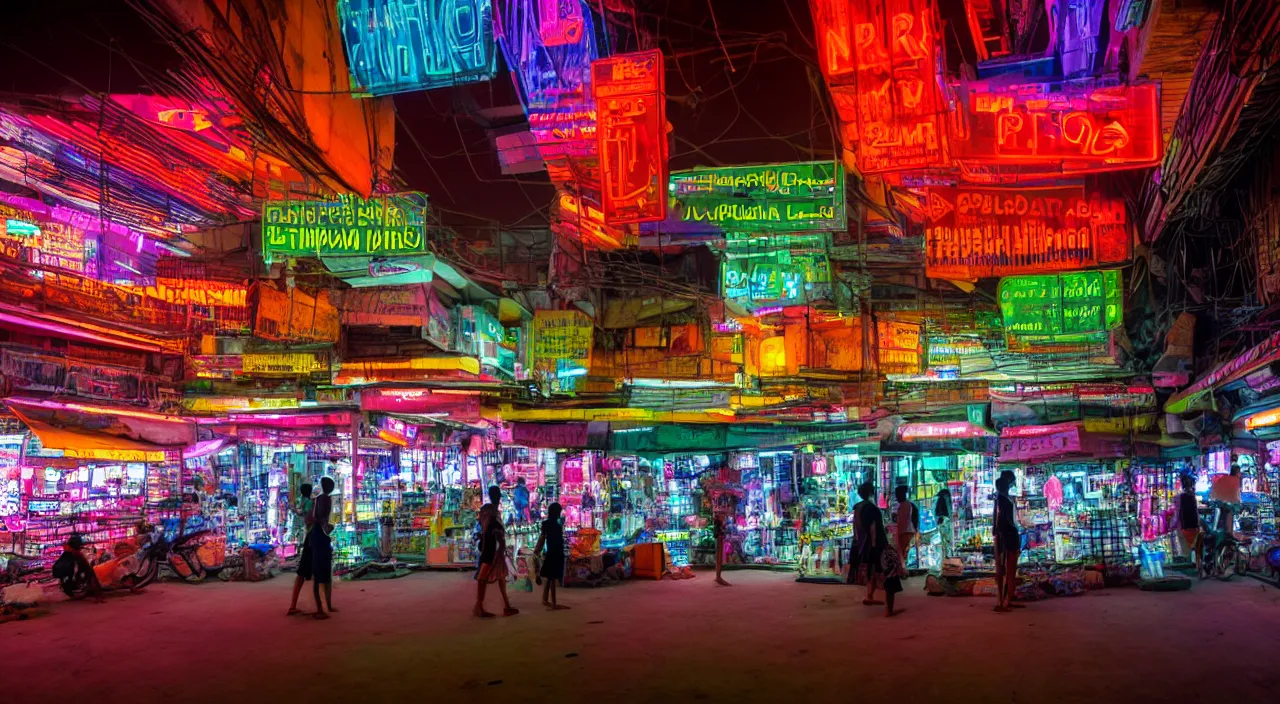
(1065, 129)
(833, 25)
(631, 131)
(899, 102)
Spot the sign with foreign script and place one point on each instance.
(385, 306)
(630, 96)
(768, 198)
(284, 363)
(1055, 306)
(775, 277)
(1064, 128)
(559, 22)
(899, 347)
(562, 342)
(974, 232)
(899, 103)
(1029, 443)
(351, 225)
(395, 46)
(833, 27)
(295, 316)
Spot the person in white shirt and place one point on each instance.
(907, 520)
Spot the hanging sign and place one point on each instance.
(394, 46)
(351, 225)
(1038, 442)
(284, 363)
(562, 342)
(559, 22)
(1066, 128)
(1060, 305)
(631, 132)
(385, 306)
(972, 233)
(833, 27)
(778, 277)
(295, 316)
(462, 407)
(899, 103)
(549, 435)
(771, 197)
(899, 347)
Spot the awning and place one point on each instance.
(87, 445)
(1238, 368)
(148, 428)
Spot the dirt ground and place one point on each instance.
(766, 638)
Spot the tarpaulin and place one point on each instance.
(124, 423)
(90, 445)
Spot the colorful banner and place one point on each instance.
(295, 316)
(899, 103)
(804, 196)
(354, 226)
(1059, 128)
(631, 131)
(1038, 442)
(972, 233)
(458, 407)
(899, 347)
(394, 46)
(549, 435)
(1061, 305)
(562, 342)
(399, 305)
(287, 364)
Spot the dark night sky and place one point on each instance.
(764, 110)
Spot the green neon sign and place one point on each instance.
(349, 226)
(805, 196)
(775, 276)
(1061, 306)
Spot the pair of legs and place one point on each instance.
(903, 543)
(482, 584)
(1006, 579)
(720, 562)
(298, 581)
(549, 595)
(328, 597)
(1195, 547)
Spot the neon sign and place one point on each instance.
(899, 347)
(898, 99)
(559, 22)
(833, 25)
(351, 225)
(1066, 129)
(942, 430)
(772, 197)
(779, 277)
(1060, 305)
(395, 46)
(631, 132)
(971, 233)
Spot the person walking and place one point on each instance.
(942, 514)
(718, 530)
(1008, 544)
(870, 541)
(552, 568)
(302, 521)
(907, 521)
(493, 562)
(1189, 521)
(321, 549)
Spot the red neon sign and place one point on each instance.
(973, 232)
(899, 102)
(1066, 129)
(833, 25)
(559, 22)
(631, 133)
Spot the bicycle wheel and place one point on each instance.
(1227, 558)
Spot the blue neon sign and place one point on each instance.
(394, 46)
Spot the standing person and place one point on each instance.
(322, 548)
(552, 569)
(1008, 545)
(1189, 520)
(1226, 491)
(302, 519)
(907, 521)
(718, 529)
(493, 562)
(871, 540)
(942, 512)
(520, 498)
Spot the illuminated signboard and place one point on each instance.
(899, 347)
(631, 131)
(395, 46)
(971, 233)
(351, 225)
(772, 197)
(833, 26)
(559, 22)
(295, 316)
(40, 236)
(553, 78)
(1061, 305)
(1065, 129)
(284, 363)
(899, 103)
(562, 341)
(775, 276)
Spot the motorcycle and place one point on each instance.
(196, 556)
(131, 571)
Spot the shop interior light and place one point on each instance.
(1263, 419)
